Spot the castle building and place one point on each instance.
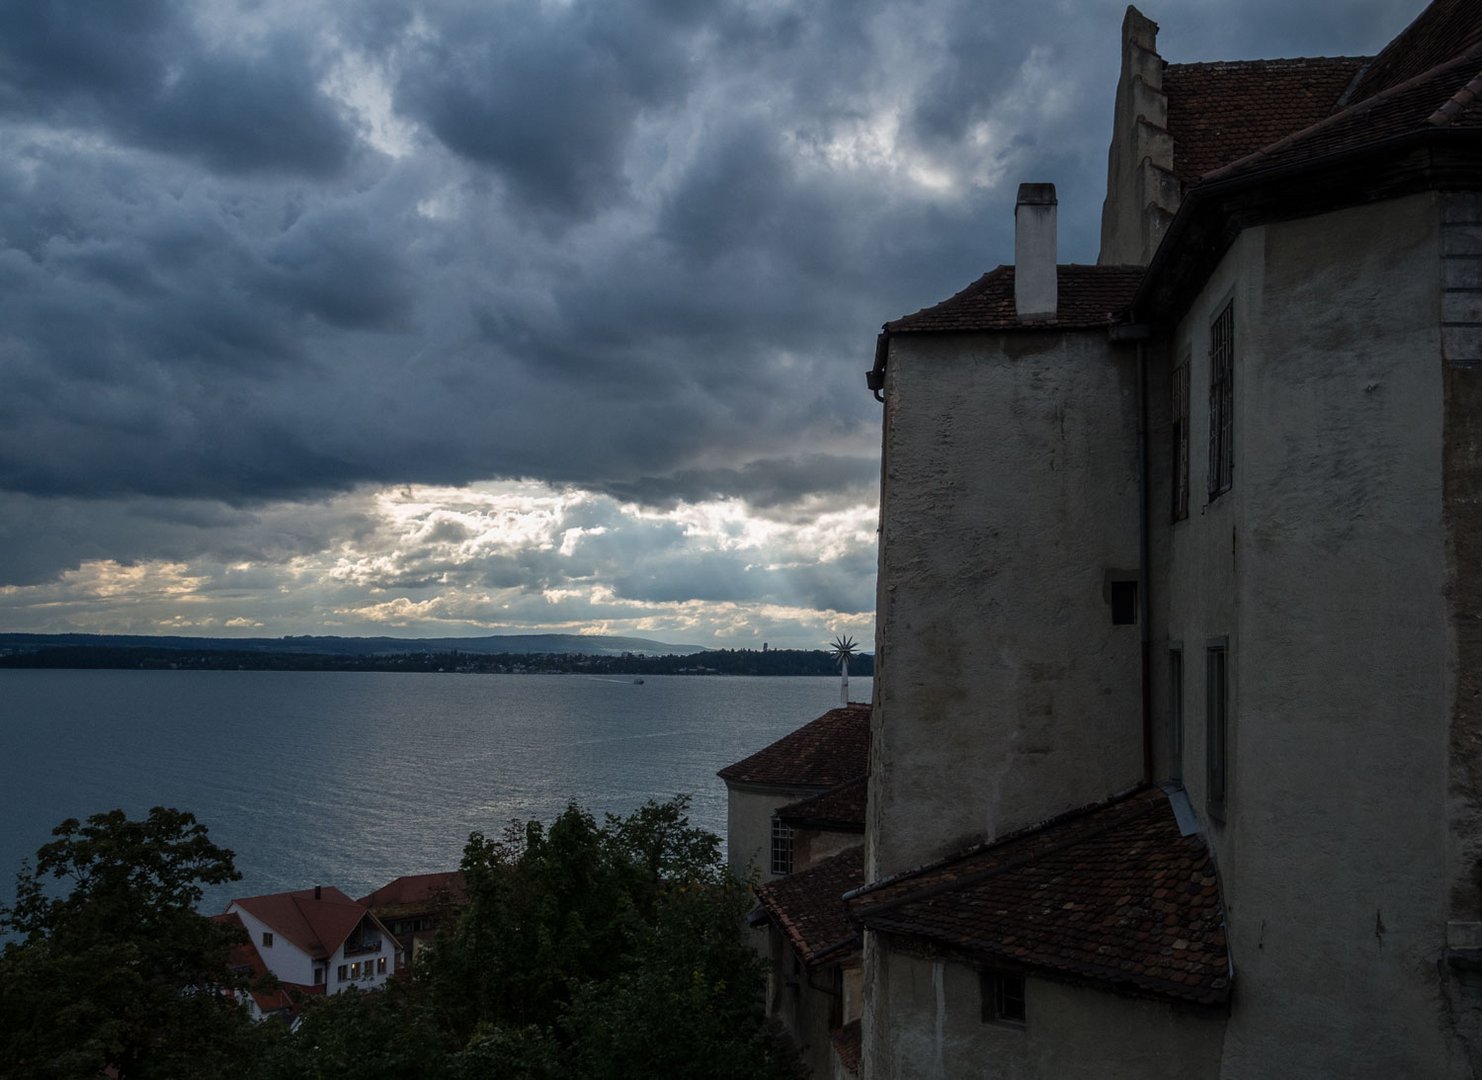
(1175, 763)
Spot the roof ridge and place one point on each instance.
(1008, 837)
(1458, 101)
(1009, 865)
(1368, 104)
(1267, 60)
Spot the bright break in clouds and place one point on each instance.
(473, 316)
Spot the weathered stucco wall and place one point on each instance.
(1323, 566)
(811, 846)
(749, 813)
(933, 1009)
(1004, 692)
(803, 1000)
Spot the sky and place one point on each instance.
(448, 317)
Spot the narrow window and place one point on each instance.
(1003, 997)
(381, 966)
(318, 976)
(1221, 401)
(267, 939)
(355, 970)
(1179, 440)
(1176, 714)
(1124, 602)
(342, 973)
(1217, 726)
(781, 848)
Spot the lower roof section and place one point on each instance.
(1113, 893)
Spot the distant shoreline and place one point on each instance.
(714, 662)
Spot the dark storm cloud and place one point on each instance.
(547, 94)
(764, 484)
(140, 72)
(270, 253)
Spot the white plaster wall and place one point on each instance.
(749, 813)
(1324, 566)
(1004, 694)
(933, 1007)
(375, 981)
(284, 959)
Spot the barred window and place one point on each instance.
(1221, 401)
(781, 848)
(1179, 441)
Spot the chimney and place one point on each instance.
(1035, 294)
(318, 892)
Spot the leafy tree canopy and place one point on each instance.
(116, 970)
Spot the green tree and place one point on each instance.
(114, 969)
(604, 951)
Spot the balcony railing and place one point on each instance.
(353, 948)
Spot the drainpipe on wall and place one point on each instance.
(1139, 333)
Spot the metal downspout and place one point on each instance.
(1143, 584)
(1139, 333)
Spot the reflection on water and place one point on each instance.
(351, 778)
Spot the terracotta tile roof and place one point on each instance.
(1443, 30)
(839, 808)
(418, 891)
(245, 958)
(1090, 296)
(1112, 894)
(1440, 97)
(822, 753)
(317, 926)
(1220, 112)
(808, 906)
(846, 1042)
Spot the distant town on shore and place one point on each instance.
(510, 654)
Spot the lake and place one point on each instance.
(353, 778)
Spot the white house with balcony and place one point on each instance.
(318, 940)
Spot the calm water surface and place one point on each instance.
(351, 778)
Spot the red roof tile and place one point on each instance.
(419, 890)
(846, 1042)
(1220, 112)
(1112, 893)
(1089, 296)
(1446, 28)
(841, 808)
(823, 753)
(1410, 107)
(809, 908)
(317, 926)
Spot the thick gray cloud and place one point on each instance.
(287, 254)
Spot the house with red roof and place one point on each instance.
(318, 940)
(414, 906)
(1175, 757)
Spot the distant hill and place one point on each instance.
(581, 644)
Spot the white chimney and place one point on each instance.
(1035, 294)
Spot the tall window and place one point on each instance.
(781, 848)
(1176, 714)
(1217, 726)
(1179, 441)
(1221, 401)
